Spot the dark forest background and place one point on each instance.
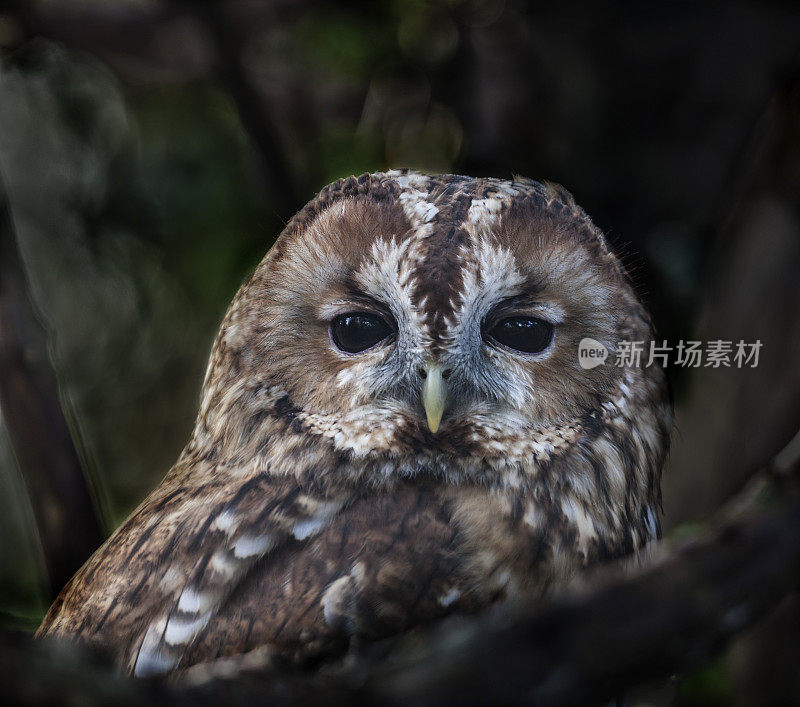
(151, 150)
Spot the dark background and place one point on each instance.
(152, 150)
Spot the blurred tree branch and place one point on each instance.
(66, 518)
(140, 32)
(250, 105)
(732, 420)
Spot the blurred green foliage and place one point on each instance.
(710, 686)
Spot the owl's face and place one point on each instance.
(418, 315)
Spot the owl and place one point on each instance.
(394, 426)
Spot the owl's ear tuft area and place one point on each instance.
(556, 192)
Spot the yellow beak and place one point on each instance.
(434, 395)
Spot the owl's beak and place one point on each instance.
(434, 395)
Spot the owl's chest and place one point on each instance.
(389, 562)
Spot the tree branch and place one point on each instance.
(69, 529)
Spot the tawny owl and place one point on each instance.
(394, 426)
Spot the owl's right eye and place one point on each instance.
(358, 331)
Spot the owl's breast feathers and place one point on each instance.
(254, 559)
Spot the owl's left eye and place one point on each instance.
(358, 331)
(526, 334)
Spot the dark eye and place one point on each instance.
(358, 331)
(522, 333)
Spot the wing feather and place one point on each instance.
(253, 524)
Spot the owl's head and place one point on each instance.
(402, 314)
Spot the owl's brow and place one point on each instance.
(529, 297)
(357, 298)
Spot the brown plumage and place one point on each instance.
(329, 495)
